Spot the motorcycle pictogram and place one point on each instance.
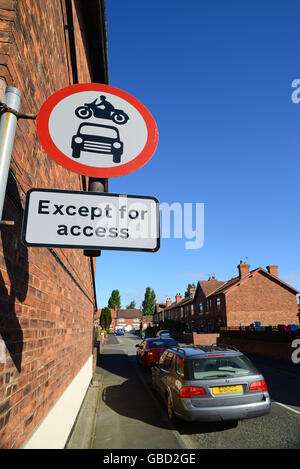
(104, 110)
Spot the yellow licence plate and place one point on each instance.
(227, 389)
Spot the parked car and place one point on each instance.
(163, 333)
(149, 350)
(119, 332)
(211, 383)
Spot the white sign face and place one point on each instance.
(91, 220)
(96, 130)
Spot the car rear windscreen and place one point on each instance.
(159, 343)
(218, 367)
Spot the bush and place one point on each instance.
(151, 331)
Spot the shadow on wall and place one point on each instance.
(16, 261)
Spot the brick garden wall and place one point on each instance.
(273, 344)
(46, 296)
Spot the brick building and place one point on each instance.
(97, 316)
(47, 299)
(129, 319)
(252, 296)
(256, 295)
(182, 309)
(126, 319)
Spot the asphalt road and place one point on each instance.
(133, 416)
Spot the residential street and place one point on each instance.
(132, 416)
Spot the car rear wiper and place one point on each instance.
(216, 376)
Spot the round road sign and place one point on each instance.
(96, 130)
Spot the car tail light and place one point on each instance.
(258, 386)
(188, 391)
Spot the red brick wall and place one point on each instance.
(258, 298)
(46, 296)
(262, 346)
(205, 339)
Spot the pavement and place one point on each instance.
(83, 431)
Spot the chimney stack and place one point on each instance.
(178, 297)
(244, 269)
(192, 291)
(273, 270)
(168, 302)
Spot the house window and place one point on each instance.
(181, 312)
(192, 309)
(201, 307)
(218, 303)
(207, 306)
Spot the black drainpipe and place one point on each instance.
(70, 28)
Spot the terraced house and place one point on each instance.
(252, 296)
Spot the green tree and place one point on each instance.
(131, 305)
(190, 285)
(148, 304)
(105, 318)
(114, 300)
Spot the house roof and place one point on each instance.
(213, 287)
(234, 281)
(208, 286)
(180, 303)
(129, 313)
(147, 318)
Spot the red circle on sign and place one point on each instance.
(42, 126)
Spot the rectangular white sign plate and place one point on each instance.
(91, 220)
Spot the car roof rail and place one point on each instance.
(227, 346)
(204, 348)
(213, 347)
(178, 348)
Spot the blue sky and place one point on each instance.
(217, 78)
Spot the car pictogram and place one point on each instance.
(96, 138)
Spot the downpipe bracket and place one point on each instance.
(19, 115)
(7, 223)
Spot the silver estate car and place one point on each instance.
(210, 383)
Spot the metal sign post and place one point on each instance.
(95, 185)
(8, 124)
